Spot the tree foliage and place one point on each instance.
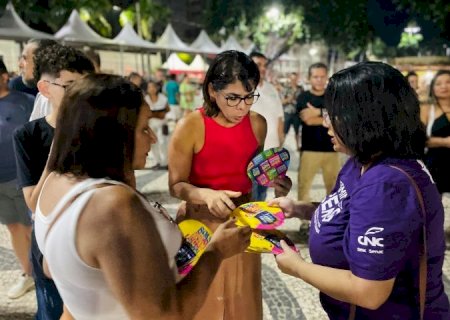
(248, 19)
(275, 35)
(341, 24)
(51, 15)
(150, 12)
(351, 26)
(232, 16)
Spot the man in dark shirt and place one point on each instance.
(317, 150)
(289, 94)
(56, 68)
(15, 109)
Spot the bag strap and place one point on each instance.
(423, 254)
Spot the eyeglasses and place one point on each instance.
(234, 101)
(64, 86)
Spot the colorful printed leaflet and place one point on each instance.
(268, 165)
(258, 215)
(268, 241)
(196, 237)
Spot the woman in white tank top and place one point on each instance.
(111, 253)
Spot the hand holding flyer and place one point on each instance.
(268, 241)
(263, 220)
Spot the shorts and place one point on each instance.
(175, 113)
(13, 208)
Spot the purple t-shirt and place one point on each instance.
(371, 225)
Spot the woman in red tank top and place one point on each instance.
(208, 156)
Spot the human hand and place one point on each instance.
(289, 261)
(447, 141)
(309, 112)
(282, 186)
(295, 209)
(228, 239)
(219, 202)
(287, 205)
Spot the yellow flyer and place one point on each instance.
(196, 237)
(268, 241)
(258, 215)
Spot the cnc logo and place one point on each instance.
(369, 238)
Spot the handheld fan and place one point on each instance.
(268, 241)
(196, 237)
(268, 165)
(258, 215)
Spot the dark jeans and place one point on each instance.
(259, 193)
(49, 302)
(291, 119)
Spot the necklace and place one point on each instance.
(162, 211)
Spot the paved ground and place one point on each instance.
(285, 298)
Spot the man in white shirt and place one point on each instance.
(270, 107)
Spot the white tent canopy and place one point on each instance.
(198, 64)
(76, 30)
(170, 41)
(175, 63)
(232, 44)
(204, 44)
(287, 57)
(127, 37)
(12, 27)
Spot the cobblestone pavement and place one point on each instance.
(285, 297)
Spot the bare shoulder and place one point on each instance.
(257, 120)
(114, 221)
(189, 133)
(424, 111)
(259, 126)
(113, 205)
(192, 120)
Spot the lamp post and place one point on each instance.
(413, 36)
(413, 29)
(138, 18)
(273, 13)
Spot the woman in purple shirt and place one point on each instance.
(365, 237)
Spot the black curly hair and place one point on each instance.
(53, 59)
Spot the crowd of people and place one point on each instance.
(100, 250)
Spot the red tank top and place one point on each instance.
(222, 162)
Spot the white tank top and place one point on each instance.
(82, 287)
